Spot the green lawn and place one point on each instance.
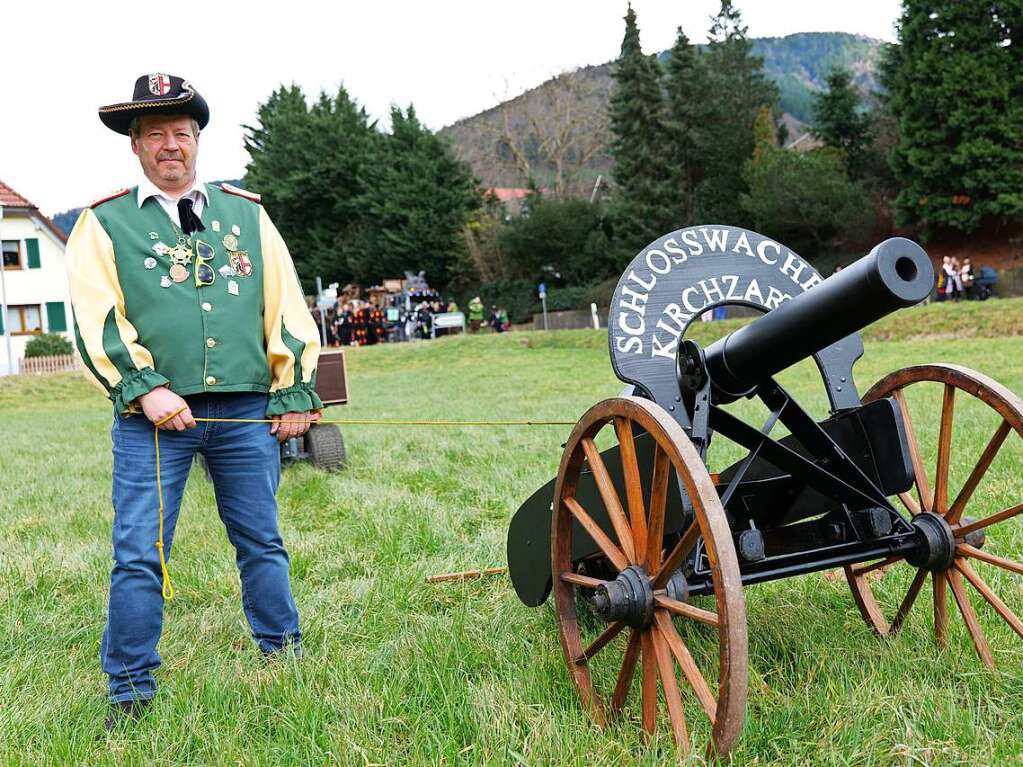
(399, 672)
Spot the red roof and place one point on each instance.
(507, 193)
(11, 199)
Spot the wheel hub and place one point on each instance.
(935, 549)
(677, 587)
(628, 598)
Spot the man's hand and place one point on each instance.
(292, 424)
(160, 403)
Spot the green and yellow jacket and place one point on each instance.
(139, 323)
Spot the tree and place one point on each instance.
(956, 86)
(765, 134)
(354, 203)
(564, 239)
(840, 123)
(487, 262)
(552, 135)
(642, 198)
(685, 90)
(416, 208)
(805, 200)
(314, 166)
(735, 91)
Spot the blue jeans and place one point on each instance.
(244, 462)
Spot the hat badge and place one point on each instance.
(159, 85)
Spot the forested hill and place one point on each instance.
(501, 140)
(800, 64)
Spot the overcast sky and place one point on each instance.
(451, 59)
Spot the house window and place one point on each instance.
(24, 320)
(12, 254)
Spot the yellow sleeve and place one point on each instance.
(106, 340)
(291, 336)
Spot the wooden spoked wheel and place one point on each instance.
(713, 662)
(981, 522)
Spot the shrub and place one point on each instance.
(518, 297)
(559, 240)
(47, 345)
(805, 200)
(564, 299)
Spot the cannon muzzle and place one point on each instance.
(896, 273)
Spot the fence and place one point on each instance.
(55, 364)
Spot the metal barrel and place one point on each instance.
(896, 273)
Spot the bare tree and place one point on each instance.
(554, 134)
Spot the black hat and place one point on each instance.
(156, 94)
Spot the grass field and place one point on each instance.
(399, 672)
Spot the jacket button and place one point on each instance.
(210, 380)
(207, 306)
(210, 342)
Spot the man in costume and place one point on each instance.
(187, 305)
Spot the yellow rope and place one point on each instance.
(168, 586)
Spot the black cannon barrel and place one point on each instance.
(896, 273)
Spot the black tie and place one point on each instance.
(189, 221)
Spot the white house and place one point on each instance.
(34, 284)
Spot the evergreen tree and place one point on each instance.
(420, 200)
(839, 122)
(956, 86)
(735, 91)
(642, 198)
(685, 92)
(313, 167)
(765, 135)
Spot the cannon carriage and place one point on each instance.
(646, 546)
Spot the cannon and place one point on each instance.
(670, 499)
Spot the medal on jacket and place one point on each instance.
(180, 254)
(240, 262)
(178, 273)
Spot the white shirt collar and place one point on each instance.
(148, 189)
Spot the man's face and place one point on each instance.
(166, 148)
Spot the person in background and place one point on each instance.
(945, 282)
(957, 283)
(502, 315)
(424, 320)
(967, 277)
(475, 315)
(345, 325)
(408, 317)
(330, 321)
(452, 306)
(495, 320)
(437, 307)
